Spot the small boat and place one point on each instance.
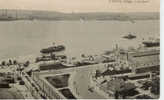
(129, 36)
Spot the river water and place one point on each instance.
(18, 38)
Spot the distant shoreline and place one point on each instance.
(12, 15)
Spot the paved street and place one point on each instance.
(81, 84)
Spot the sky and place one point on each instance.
(82, 5)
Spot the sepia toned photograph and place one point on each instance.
(80, 49)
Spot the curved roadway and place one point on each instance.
(80, 83)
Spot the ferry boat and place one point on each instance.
(53, 49)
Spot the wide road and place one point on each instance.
(81, 83)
